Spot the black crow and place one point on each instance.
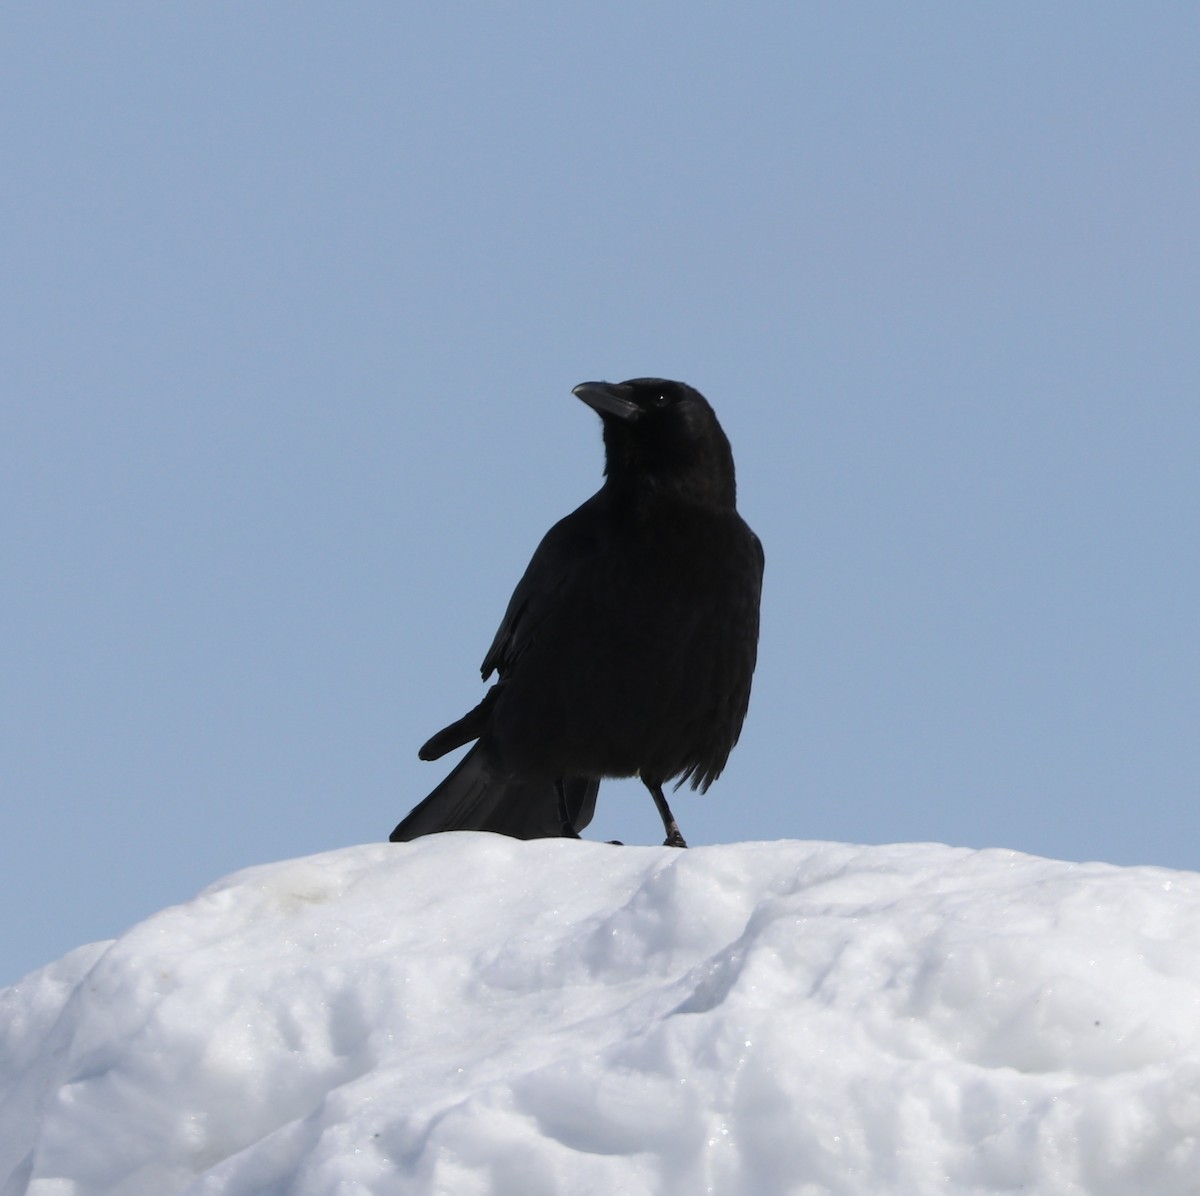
(628, 647)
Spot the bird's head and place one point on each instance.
(663, 433)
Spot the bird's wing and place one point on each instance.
(566, 550)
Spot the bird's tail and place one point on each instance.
(477, 796)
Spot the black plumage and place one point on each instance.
(628, 646)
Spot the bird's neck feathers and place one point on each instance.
(645, 470)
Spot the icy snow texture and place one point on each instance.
(469, 1014)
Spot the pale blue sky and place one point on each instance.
(294, 297)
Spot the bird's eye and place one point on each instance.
(661, 400)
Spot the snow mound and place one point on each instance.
(471, 1014)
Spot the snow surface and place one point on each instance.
(469, 1014)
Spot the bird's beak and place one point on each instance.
(608, 398)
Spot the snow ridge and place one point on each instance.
(471, 1014)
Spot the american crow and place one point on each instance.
(628, 647)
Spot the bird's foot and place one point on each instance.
(674, 839)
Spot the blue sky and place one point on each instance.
(293, 300)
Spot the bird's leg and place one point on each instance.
(674, 837)
(564, 817)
